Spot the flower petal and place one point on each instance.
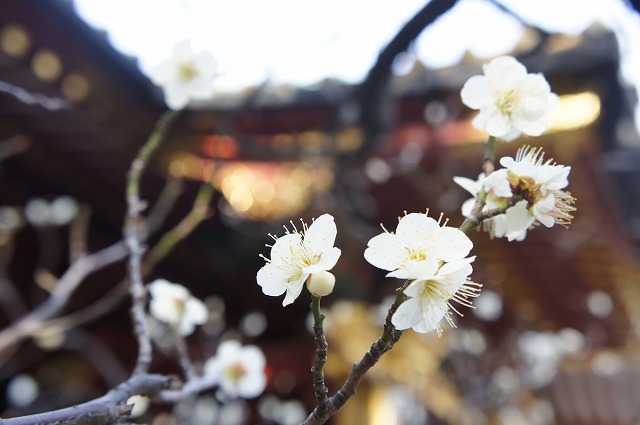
(471, 186)
(327, 261)
(273, 280)
(385, 251)
(285, 247)
(418, 231)
(453, 244)
(518, 220)
(195, 311)
(407, 315)
(321, 235)
(293, 291)
(504, 71)
(542, 207)
(475, 92)
(416, 269)
(432, 313)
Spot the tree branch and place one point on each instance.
(317, 370)
(371, 93)
(390, 336)
(107, 409)
(132, 237)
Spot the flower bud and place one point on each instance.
(321, 284)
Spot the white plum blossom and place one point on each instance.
(296, 256)
(495, 197)
(510, 101)
(238, 370)
(540, 183)
(434, 257)
(535, 185)
(418, 247)
(430, 298)
(173, 304)
(186, 75)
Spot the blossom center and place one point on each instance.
(432, 290)
(506, 102)
(187, 71)
(236, 372)
(417, 255)
(525, 186)
(179, 305)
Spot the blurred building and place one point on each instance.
(554, 338)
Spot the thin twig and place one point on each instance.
(29, 98)
(67, 284)
(183, 355)
(78, 231)
(487, 168)
(199, 212)
(169, 240)
(471, 223)
(132, 238)
(164, 204)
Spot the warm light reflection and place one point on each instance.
(574, 111)
(381, 409)
(220, 146)
(259, 190)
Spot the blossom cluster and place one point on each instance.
(528, 188)
(434, 259)
(239, 371)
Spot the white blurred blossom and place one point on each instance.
(510, 101)
(173, 304)
(22, 390)
(59, 212)
(186, 75)
(10, 219)
(296, 256)
(62, 210)
(239, 371)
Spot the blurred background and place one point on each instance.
(350, 108)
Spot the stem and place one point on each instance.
(317, 370)
(489, 156)
(132, 237)
(183, 354)
(198, 213)
(488, 168)
(390, 336)
(471, 223)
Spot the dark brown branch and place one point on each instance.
(390, 336)
(371, 94)
(317, 370)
